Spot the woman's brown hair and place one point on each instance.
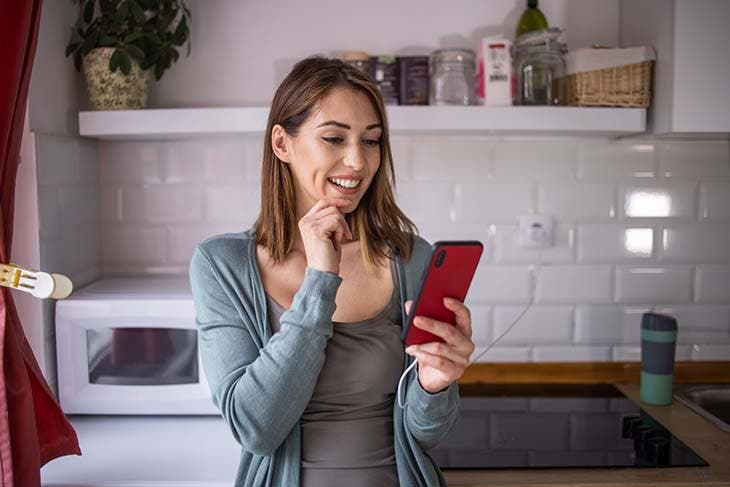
(377, 215)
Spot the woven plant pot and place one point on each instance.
(114, 91)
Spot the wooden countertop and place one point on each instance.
(710, 442)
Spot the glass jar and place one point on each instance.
(452, 73)
(541, 71)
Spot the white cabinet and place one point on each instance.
(692, 72)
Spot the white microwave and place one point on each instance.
(130, 346)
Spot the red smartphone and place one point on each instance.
(449, 274)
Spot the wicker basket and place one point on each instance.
(620, 86)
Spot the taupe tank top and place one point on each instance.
(347, 428)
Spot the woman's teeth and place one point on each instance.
(345, 183)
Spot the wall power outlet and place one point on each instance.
(534, 232)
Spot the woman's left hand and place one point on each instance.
(441, 363)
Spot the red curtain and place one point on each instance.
(33, 429)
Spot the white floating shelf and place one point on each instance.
(176, 123)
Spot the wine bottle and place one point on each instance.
(531, 19)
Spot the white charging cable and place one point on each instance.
(535, 274)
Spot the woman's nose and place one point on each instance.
(356, 158)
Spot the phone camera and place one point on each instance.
(440, 258)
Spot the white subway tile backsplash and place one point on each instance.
(451, 159)
(235, 204)
(483, 233)
(712, 318)
(500, 353)
(551, 353)
(714, 201)
(486, 203)
(481, 323)
(653, 284)
(500, 284)
(535, 160)
(574, 284)
(506, 250)
(158, 199)
(667, 200)
(124, 244)
(57, 159)
(608, 324)
(711, 352)
(78, 207)
(712, 284)
(161, 203)
(48, 212)
(597, 200)
(696, 160)
(626, 353)
(709, 242)
(616, 161)
(88, 162)
(609, 242)
(130, 162)
(401, 148)
(112, 203)
(426, 203)
(539, 325)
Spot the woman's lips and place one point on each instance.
(345, 190)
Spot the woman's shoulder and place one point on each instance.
(226, 247)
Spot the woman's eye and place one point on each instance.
(333, 140)
(372, 141)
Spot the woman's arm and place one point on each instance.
(430, 417)
(262, 393)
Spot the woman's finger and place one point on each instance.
(462, 315)
(443, 365)
(442, 350)
(451, 334)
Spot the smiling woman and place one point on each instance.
(300, 317)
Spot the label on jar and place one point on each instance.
(495, 72)
(385, 73)
(413, 72)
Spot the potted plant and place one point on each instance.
(120, 43)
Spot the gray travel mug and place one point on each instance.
(658, 342)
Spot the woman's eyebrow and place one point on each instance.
(345, 126)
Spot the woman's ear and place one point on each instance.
(280, 143)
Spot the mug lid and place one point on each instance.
(658, 322)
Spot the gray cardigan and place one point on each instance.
(263, 383)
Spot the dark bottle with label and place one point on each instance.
(385, 73)
(413, 74)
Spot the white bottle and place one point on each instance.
(496, 59)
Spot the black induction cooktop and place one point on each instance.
(556, 426)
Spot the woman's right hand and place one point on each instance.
(323, 229)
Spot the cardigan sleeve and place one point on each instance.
(430, 417)
(261, 393)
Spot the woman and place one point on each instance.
(300, 316)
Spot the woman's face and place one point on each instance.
(338, 145)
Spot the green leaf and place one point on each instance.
(125, 63)
(108, 41)
(90, 42)
(122, 12)
(175, 54)
(133, 37)
(114, 61)
(150, 61)
(137, 12)
(72, 47)
(180, 33)
(135, 52)
(78, 60)
(89, 11)
(159, 70)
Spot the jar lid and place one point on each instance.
(460, 55)
(540, 36)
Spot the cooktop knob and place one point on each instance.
(641, 435)
(629, 424)
(658, 450)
